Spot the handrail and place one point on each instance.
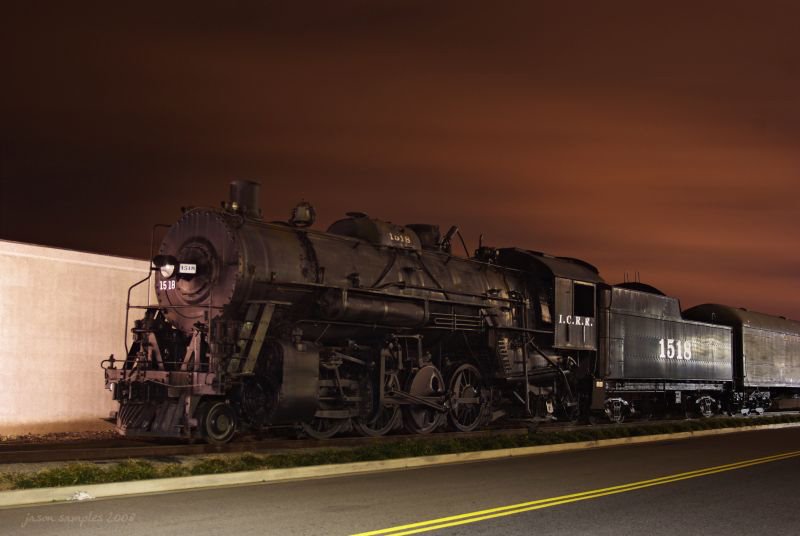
(128, 308)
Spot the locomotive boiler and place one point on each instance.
(372, 326)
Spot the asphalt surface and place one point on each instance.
(756, 499)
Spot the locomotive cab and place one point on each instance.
(562, 327)
(575, 314)
(564, 292)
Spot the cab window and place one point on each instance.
(583, 304)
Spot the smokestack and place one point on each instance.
(245, 198)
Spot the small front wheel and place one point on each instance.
(217, 422)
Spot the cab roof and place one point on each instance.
(534, 261)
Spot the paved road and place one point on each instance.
(754, 499)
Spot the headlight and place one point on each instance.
(167, 271)
(165, 264)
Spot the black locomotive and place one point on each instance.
(373, 326)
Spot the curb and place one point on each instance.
(119, 489)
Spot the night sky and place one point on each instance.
(658, 139)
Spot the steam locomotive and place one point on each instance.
(372, 326)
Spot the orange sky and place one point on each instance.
(662, 140)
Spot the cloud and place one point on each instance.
(635, 136)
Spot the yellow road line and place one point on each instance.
(501, 511)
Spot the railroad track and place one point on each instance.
(124, 448)
(111, 449)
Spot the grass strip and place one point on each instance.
(75, 474)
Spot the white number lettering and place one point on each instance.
(166, 285)
(403, 239)
(674, 348)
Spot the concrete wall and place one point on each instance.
(61, 313)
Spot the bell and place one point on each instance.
(303, 215)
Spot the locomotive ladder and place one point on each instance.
(251, 337)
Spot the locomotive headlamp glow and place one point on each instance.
(167, 270)
(165, 264)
